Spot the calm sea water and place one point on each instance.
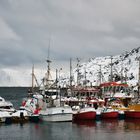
(99, 130)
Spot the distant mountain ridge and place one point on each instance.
(125, 65)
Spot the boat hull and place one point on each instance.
(121, 116)
(34, 118)
(56, 114)
(108, 115)
(91, 115)
(56, 117)
(6, 120)
(132, 114)
(5, 117)
(17, 119)
(2, 119)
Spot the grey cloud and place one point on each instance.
(77, 28)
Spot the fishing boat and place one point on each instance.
(56, 114)
(109, 113)
(47, 101)
(117, 96)
(20, 116)
(116, 90)
(87, 101)
(52, 109)
(86, 113)
(23, 115)
(133, 112)
(48, 108)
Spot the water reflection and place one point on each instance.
(109, 125)
(112, 125)
(132, 124)
(85, 123)
(81, 130)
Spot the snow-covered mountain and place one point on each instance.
(125, 65)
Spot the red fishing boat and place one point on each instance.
(109, 113)
(133, 111)
(132, 114)
(86, 113)
(115, 93)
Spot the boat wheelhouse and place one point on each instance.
(114, 89)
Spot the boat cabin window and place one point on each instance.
(77, 94)
(110, 88)
(105, 89)
(5, 107)
(50, 93)
(123, 89)
(117, 88)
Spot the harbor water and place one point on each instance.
(93, 130)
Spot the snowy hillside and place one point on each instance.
(124, 65)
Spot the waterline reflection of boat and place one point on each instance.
(132, 124)
(89, 123)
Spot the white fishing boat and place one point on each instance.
(47, 101)
(20, 115)
(56, 114)
(24, 115)
(50, 107)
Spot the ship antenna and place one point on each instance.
(48, 75)
(78, 79)
(111, 72)
(139, 78)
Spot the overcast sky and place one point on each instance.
(75, 28)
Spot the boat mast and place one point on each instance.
(111, 72)
(121, 73)
(48, 75)
(139, 79)
(85, 78)
(33, 78)
(78, 79)
(56, 80)
(125, 75)
(70, 73)
(100, 75)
